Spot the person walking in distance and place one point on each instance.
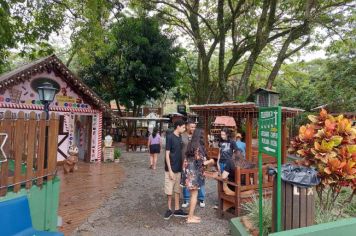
(173, 169)
(154, 145)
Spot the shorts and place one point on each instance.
(155, 148)
(171, 186)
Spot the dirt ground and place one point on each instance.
(138, 204)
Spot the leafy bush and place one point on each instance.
(328, 144)
(338, 210)
(117, 153)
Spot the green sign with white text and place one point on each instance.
(269, 142)
(269, 130)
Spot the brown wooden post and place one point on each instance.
(284, 141)
(52, 145)
(31, 143)
(206, 129)
(249, 126)
(19, 144)
(160, 127)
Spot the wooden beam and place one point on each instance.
(284, 141)
(249, 127)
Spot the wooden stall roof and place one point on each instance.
(240, 109)
(144, 119)
(49, 64)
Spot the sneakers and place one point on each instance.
(168, 214)
(177, 213)
(185, 204)
(180, 213)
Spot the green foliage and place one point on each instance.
(139, 65)
(117, 153)
(26, 26)
(235, 47)
(339, 210)
(329, 81)
(252, 209)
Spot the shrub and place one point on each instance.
(117, 153)
(252, 209)
(328, 144)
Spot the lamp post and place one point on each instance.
(46, 93)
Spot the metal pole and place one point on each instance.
(260, 199)
(279, 163)
(46, 109)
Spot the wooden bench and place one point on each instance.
(246, 185)
(135, 142)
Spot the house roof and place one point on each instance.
(53, 64)
(265, 90)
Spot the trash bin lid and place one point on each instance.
(300, 176)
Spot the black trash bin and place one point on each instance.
(298, 196)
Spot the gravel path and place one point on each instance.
(137, 206)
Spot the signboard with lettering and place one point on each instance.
(269, 126)
(269, 142)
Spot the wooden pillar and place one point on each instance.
(249, 127)
(206, 129)
(284, 141)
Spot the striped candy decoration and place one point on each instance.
(36, 107)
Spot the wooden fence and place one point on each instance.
(25, 148)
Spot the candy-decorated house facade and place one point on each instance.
(79, 108)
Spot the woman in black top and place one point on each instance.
(227, 148)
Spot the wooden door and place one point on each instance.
(88, 130)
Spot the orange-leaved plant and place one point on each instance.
(328, 144)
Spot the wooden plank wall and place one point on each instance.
(25, 150)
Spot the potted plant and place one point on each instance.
(117, 154)
(328, 144)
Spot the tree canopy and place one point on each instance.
(139, 65)
(240, 32)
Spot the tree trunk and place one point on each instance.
(221, 26)
(242, 90)
(282, 55)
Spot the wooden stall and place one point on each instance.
(139, 133)
(244, 113)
